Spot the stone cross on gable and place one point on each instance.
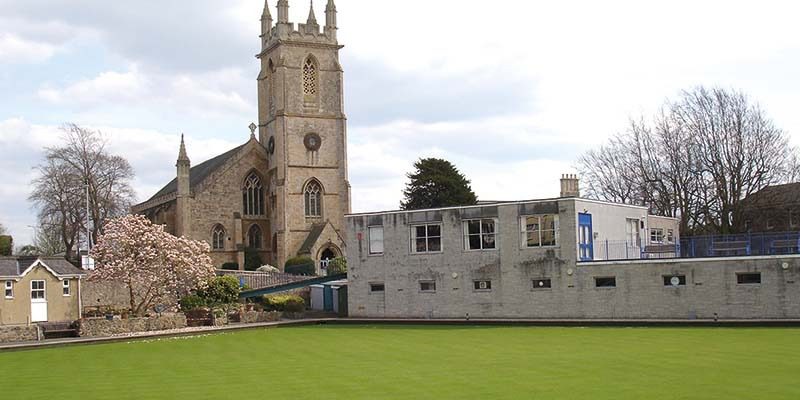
(253, 128)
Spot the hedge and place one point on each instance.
(284, 302)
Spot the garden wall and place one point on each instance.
(251, 317)
(100, 327)
(18, 333)
(105, 295)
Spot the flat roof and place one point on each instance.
(497, 203)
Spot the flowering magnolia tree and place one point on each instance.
(155, 266)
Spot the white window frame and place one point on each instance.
(9, 286)
(480, 233)
(427, 238)
(370, 241)
(633, 234)
(66, 289)
(523, 225)
(43, 290)
(654, 234)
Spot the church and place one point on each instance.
(285, 191)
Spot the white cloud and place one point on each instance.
(18, 50)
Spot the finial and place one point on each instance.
(312, 19)
(266, 14)
(182, 152)
(253, 128)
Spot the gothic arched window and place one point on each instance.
(218, 238)
(313, 199)
(310, 78)
(253, 196)
(254, 237)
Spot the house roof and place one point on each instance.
(18, 266)
(771, 196)
(199, 172)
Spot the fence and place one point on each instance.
(258, 280)
(746, 244)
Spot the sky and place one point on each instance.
(510, 91)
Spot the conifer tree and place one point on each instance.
(436, 183)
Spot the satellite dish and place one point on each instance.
(675, 281)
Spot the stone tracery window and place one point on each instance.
(253, 196)
(254, 236)
(310, 77)
(218, 238)
(313, 199)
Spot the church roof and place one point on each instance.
(316, 230)
(199, 172)
(774, 196)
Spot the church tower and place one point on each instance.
(303, 127)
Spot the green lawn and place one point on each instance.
(398, 362)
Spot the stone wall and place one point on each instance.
(105, 294)
(18, 333)
(251, 317)
(101, 327)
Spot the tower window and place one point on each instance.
(253, 196)
(313, 199)
(254, 237)
(310, 78)
(218, 238)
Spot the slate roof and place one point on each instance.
(778, 195)
(15, 266)
(199, 172)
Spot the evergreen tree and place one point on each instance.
(436, 183)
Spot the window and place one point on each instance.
(748, 278)
(670, 236)
(313, 199)
(377, 288)
(656, 235)
(483, 285)
(37, 289)
(375, 240)
(310, 78)
(674, 280)
(539, 230)
(426, 238)
(542, 284)
(479, 234)
(9, 289)
(794, 219)
(218, 238)
(605, 282)
(253, 196)
(65, 287)
(254, 236)
(632, 231)
(427, 286)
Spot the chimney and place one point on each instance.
(569, 186)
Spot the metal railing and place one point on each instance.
(745, 244)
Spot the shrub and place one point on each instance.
(284, 302)
(221, 290)
(6, 245)
(252, 260)
(300, 265)
(192, 302)
(337, 266)
(230, 266)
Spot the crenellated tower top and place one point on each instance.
(310, 31)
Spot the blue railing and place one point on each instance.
(746, 244)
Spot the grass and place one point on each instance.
(401, 362)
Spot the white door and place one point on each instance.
(38, 302)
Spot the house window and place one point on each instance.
(65, 287)
(656, 235)
(9, 289)
(542, 284)
(483, 285)
(748, 278)
(37, 289)
(670, 236)
(218, 238)
(674, 280)
(426, 238)
(479, 234)
(253, 196)
(539, 230)
(377, 288)
(427, 286)
(254, 237)
(375, 240)
(313, 199)
(632, 231)
(605, 282)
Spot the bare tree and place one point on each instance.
(698, 159)
(63, 178)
